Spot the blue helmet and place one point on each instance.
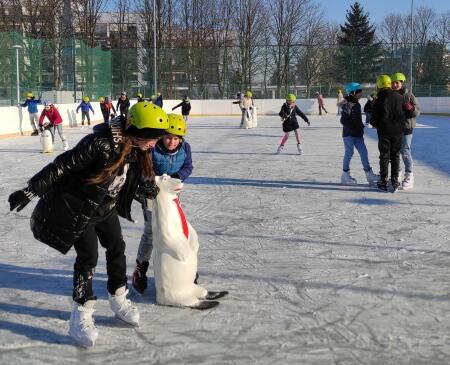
(352, 88)
(47, 103)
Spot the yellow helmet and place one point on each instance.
(139, 95)
(177, 125)
(29, 95)
(146, 120)
(86, 98)
(383, 82)
(398, 76)
(248, 93)
(101, 99)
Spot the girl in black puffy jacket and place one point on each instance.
(82, 192)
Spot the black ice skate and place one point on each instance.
(382, 185)
(216, 294)
(395, 185)
(139, 278)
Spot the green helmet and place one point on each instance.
(146, 120)
(291, 97)
(248, 94)
(153, 97)
(383, 82)
(139, 95)
(177, 125)
(101, 99)
(398, 76)
(86, 99)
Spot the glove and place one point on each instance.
(408, 106)
(20, 198)
(149, 190)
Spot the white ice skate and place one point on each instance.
(280, 149)
(408, 181)
(82, 127)
(347, 179)
(81, 326)
(372, 178)
(299, 148)
(65, 145)
(123, 308)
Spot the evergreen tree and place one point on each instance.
(359, 55)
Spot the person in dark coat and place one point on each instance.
(185, 107)
(389, 119)
(159, 100)
(81, 193)
(353, 134)
(123, 104)
(288, 113)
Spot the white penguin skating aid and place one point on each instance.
(247, 119)
(175, 244)
(46, 141)
(254, 118)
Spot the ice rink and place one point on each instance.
(318, 273)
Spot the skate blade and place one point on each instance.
(216, 294)
(132, 324)
(203, 305)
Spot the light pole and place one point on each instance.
(154, 45)
(17, 46)
(412, 48)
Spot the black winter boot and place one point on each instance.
(139, 278)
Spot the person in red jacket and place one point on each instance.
(54, 122)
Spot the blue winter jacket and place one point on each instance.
(176, 164)
(31, 104)
(85, 107)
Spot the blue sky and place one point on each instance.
(335, 10)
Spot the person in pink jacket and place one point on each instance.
(54, 122)
(321, 103)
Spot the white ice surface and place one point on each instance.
(318, 273)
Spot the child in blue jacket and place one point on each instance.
(171, 156)
(85, 106)
(32, 104)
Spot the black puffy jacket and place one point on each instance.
(387, 113)
(67, 202)
(351, 118)
(289, 118)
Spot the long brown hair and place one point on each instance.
(126, 145)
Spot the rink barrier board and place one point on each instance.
(15, 120)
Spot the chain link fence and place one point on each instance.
(65, 70)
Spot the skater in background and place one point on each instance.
(123, 104)
(412, 111)
(339, 99)
(32, 104)
(107, 108)
(321, 102)
(185, 107)
(82, 192)
(171, 156)
(389, 119)
(159, 100)
(52, 114)
(368, 107)
(85, 107)
(246, 104)
(353, 134)
(288, 113)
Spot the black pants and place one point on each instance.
(108, 231)
(106, 117)
(389, 147)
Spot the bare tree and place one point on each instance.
(86, 15)
(286, 23)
